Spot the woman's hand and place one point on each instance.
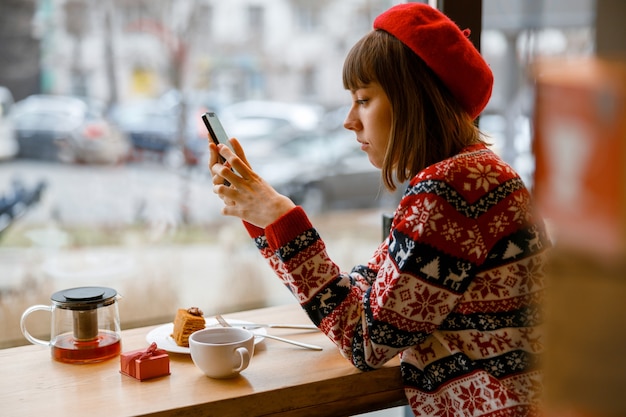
(248, 196)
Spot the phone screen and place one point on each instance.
(217, 132)
(215, 128)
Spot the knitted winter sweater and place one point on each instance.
(455, 290)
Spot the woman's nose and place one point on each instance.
(351, 122)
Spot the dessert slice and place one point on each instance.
(185, 323)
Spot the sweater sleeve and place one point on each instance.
(361, 311)
(284, 229)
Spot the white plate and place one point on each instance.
(162, 335)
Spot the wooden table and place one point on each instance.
(282, 380)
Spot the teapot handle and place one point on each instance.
(25, 332)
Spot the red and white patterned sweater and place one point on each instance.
(456, 289)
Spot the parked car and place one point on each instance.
(253, 120)
(8, 142)
(149, 124)
(324, 171)
(67, 129)
(153, 126)
(261, 126)
(15, 202)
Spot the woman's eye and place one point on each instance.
(360, 102)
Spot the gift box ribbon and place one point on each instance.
(141, 355)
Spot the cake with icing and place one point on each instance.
(186, 322)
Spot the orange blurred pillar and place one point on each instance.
(580, 148)
(580, 186)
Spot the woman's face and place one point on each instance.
(370, 118)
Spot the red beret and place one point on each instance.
(444, 48)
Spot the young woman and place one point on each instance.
(456, 288)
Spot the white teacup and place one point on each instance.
(221, 352)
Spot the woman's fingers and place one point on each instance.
(226, 193)
(235, 161)
(239, 151)
(235, 154)
(244, 193)
(219, 165)
(226, 175)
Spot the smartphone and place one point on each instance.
(216, 130)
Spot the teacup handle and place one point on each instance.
(244, 359)
(27, 335)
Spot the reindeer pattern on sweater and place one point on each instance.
(456, 289)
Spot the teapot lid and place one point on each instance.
(84, 298)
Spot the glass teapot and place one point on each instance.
(85, 325)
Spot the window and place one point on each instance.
(150, 225)
(255, 20)
(307, 16)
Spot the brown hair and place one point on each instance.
(428, 124)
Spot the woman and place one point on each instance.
(456, 287)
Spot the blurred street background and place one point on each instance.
(121, 227)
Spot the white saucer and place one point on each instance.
(162, 335)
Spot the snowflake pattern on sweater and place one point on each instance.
(456, 289)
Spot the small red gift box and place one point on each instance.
(145, 363)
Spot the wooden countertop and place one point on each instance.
(282, 379)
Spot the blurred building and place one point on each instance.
(19, 48)
(276, 49)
